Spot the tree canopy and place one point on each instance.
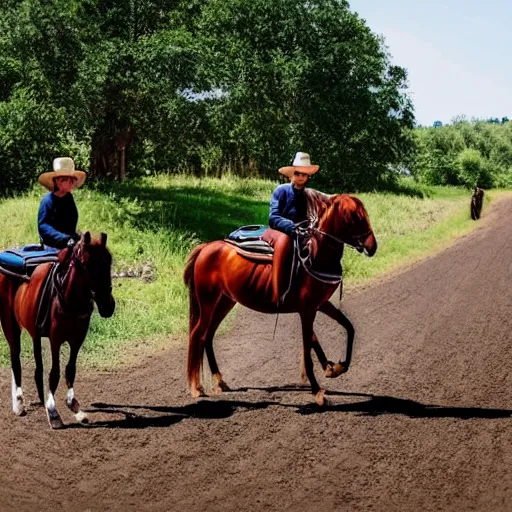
(204, 86)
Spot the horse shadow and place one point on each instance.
(128, 415)
(377, 405)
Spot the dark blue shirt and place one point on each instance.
(57, 220)
(288, 205)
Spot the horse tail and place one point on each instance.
(188, 277)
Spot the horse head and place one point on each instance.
(93, 261)
(346, 221)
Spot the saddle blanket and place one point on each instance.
(23, 260)
(249, 239)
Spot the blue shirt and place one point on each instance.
(57, 219)
(288, 205)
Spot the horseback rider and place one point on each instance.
(288, 208)
(58, 215)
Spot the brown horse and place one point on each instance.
(218, 277)
(81, 277)
(477, 201)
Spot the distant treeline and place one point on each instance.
(464, 153)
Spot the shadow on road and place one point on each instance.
(124, 417)
(104, 415)
(379, 405)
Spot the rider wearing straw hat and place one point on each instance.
(288, 206)
(58, 215)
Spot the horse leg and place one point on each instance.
(334, 370)
(53, 416)
(18, 400)
(307, 319)
(197, 344)
(38, 373)
(12, 333)
(71, 401)
(223, 307)
(320, 354)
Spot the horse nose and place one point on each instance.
(370, 245)
(106, 309)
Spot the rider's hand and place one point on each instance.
(71, 243)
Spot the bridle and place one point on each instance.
(89, 292)
(340, 241)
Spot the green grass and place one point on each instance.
(156, 221)
(409, 228)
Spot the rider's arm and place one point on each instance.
(276, 219)
(49, 235)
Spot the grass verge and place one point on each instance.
(153, 223)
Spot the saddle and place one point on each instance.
(248, 242)
(20, 262)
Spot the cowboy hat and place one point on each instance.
(62, 167)
(301, 163)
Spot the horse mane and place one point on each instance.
(317, 203)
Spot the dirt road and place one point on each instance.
(422, 421)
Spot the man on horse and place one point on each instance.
(58, 214)
(288, 209)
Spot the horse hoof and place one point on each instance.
(329, 369)
(82, 417)
(198, 392)
(320, 398)
(74, 405)
(335, 370)
(19, 407)
(54, 419)
(221, 387)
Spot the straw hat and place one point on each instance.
(301, 163)
(62, 167)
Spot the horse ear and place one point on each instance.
(87, 238)
(103, 239)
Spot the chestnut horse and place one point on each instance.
(81, 277)
(218, 277)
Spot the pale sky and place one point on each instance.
(457, 53)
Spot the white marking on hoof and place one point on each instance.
(18, 402)
(82, 417)
(50, 402)
(53, 416)
(70, 395)
(72, 402)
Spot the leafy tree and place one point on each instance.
(305, 76)
(199, 85)
(113, 68)
(471, 165)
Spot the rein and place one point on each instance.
(326, 277)
(65, 306)
(323, 277)
(340, 241)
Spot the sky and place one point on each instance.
(458, 53)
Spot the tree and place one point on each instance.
(304, 76)
(242, 84)
(471, 165)
(115, 68)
